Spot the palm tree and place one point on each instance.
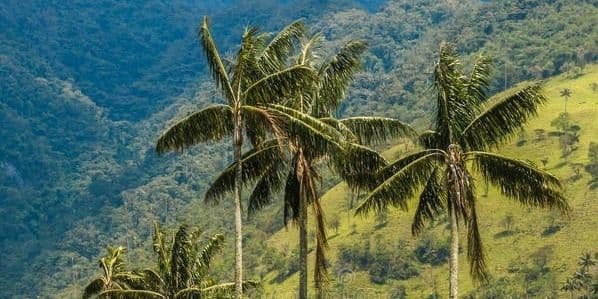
(586, 262)
(255, 78)
(566, 93)
(571, 286)
(114, 275)
(467, 124)
(314, 136)
(181, 269)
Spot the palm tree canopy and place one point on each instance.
(181, 271)
(256, 77)
(467, 123)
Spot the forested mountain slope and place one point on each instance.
(530, 252)
(86, 87)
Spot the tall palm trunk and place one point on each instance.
(238, 144)
(302, 245)
(454, 255)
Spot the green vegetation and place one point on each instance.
(466, 126)
(525, 261)
(181, 270)
(87, 86)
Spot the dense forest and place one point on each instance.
(87, 89)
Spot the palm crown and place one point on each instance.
(181, 270)
(467, 124)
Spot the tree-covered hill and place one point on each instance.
(87, 86)
(530, 252)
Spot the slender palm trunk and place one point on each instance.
(302, 245)
(454, 255)
(238, 144)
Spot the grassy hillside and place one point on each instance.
(533, 233)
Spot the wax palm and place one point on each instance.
(313, 137)
(114, 275)
(467, 124)
(256, 77)
(181, 269)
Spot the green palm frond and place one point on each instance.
(161, 250)
(181, 261)
(335, 75)
(279, 85)
(245, 69)
(399, 164)
(151, 280)
(95, 287)
(377, 130)
(209, 124)
(401, 186)
(432, 202)
(503, 118)
(260, 124)
(130, 294)
(270, 182)
(429, 139)
(214, 245)
(478, 82)
(310, 132)
(342, 128)
(281, 46)
(254, 162)
(448, 83)
(520, 180)
(215, 63)
(356, 164)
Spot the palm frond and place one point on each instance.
(432, 202)
(396, 166)
(430, 139)
(356, 164)
(335, 76)
(215, 245)
(448, 84)
(342, 128)
(94, 287)
(278, 86)
(151, 280)
(281, 46)
(479, 80)
(270, 182)
(161, 250)
(377, 130)
(181, 260)
(245, 69)
(209, 124)
(254, 163)
(215, 63)
(503, 119)
(520, 180)
(309, 131)
(260, 124)
(401, 186)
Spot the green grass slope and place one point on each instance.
(506, 252)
